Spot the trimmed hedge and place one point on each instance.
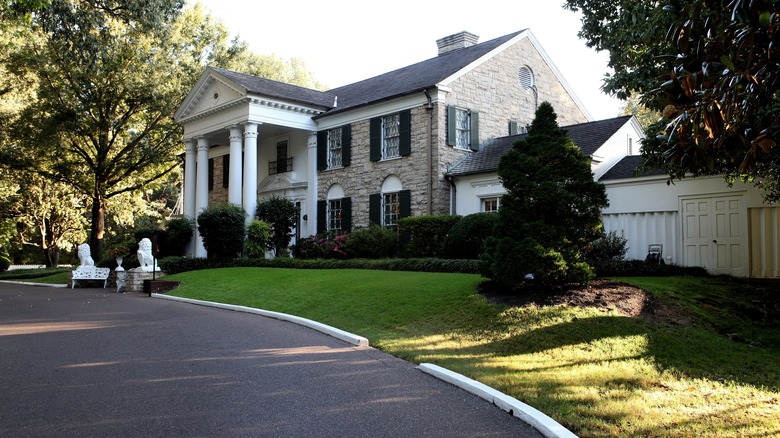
(426, 234)
(640, 268)
(4, 263)
(466, 238)
(174, 265)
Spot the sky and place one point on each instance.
(345, 41)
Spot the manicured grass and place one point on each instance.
(597, 373)
(49, 275)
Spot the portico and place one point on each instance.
(262, 145)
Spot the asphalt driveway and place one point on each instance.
(90, 362)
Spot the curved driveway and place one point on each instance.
(90, 362)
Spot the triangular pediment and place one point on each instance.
(211, 92)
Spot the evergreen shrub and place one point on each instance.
(466, 238)
(5, 263)
(373, 242)
(222, 228)
(282, 215)
(426, 234)
(257, 237)
(174, 239)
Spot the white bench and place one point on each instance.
(89, 273)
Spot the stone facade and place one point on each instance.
(493, 89)
(218, 193)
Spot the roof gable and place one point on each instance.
(587, 136)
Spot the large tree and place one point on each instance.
(711, 67)
(551, 211)
(107, 77)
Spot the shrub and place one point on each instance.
(426, 234)
(174, 239)
(323, 246)
(282, 215)
(174, 265)
(257, 239)
(641, 268)
(373, 242)
(466, 238)
(222, 228)
(609, 246)
(4, 263)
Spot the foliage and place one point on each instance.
(4, 263)
(644, 115)
(466, 239)
(711, 68)
(258, 233)
(121, 247)
(641, 268)
(426, 234)
(282, 215)
(324, 246)
(223, 230)
(174, 239)
(551, 211)
(173, 265)
(374, 242)
(610, 246)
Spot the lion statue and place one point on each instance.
(145, 257)
(85, 255)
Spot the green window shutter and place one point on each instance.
(322, 216)
(226, 171)
(346, 215)
(474, 131)
(451, 110)
(375, 208)
(322, 150)
(346, 145)
(405, 199)
(211, 174)
(405, 131)
(513, 127)
(375, 153)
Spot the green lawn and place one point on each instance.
(597, 373)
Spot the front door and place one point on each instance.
(715, 234)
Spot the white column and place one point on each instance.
(189, 178)
(250, 169)
(190, 164)
(202, 191)
(236, 174)
(311, 188)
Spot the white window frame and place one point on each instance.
(462, 129)
(483, 203)
(391, 136)
(334, 215)
(391, 209)
(335, 149)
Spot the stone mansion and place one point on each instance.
(373, 151)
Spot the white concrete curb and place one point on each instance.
(328, 330)
(541, 422)
(26, 283)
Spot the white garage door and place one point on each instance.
(715, 234)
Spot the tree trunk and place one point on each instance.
(98, 225)
(52, 256)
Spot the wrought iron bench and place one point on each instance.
(90, 273)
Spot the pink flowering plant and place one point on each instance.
(323, 246)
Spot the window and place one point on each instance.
(630, 146)
(490, 205)
(462, 128)
(334, 215)
(334, 148)
(391, 136)
(391, 209)
(211, 174)
(283, 163)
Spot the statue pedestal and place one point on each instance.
(134, 282)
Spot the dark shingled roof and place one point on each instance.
(629, 167)
(587, 136)
(416, 77)
(267, 87)
(409, 79)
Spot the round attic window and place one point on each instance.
(526, 77)
(216, 95)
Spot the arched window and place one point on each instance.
(335, 213)
(526, 77)
(391, 204)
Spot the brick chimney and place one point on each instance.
(460, 40)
